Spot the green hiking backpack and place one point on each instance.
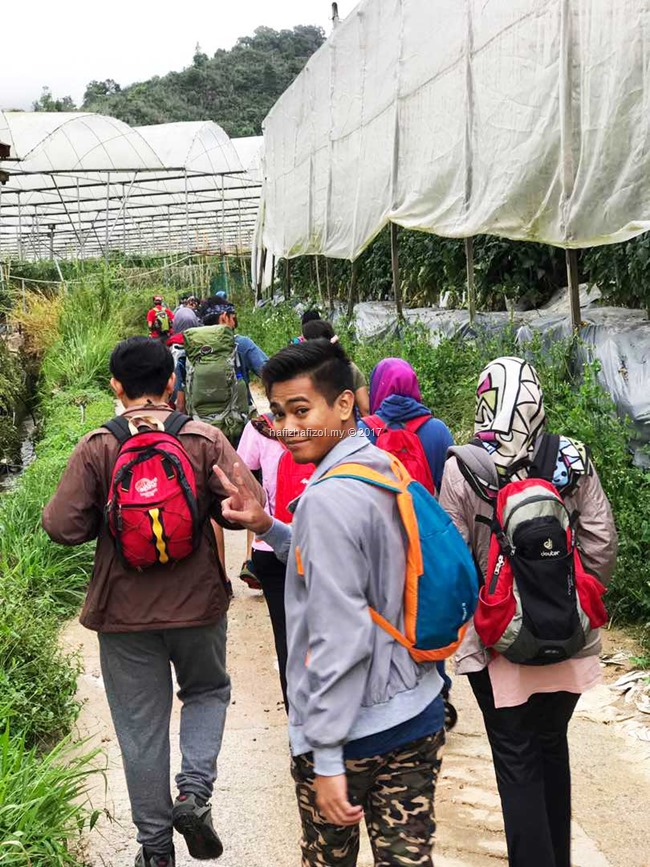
(216, 391)
(161, 323)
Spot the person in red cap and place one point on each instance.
(160, 319)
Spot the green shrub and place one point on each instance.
(42, 809)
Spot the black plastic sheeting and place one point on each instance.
(619, 338)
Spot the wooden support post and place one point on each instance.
(328, 286)
(318, 283)
(574, 287)
(287, 279)
(272, 286)
(394, 260)
(352, 294)
(471, 285)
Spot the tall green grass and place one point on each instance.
(42, 811)
(42, 808)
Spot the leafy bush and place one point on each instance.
(42, 809)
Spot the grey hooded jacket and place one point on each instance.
(347, 678)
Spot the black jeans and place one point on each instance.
(531, 762)
(271, 574)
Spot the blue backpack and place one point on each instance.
(441, 582)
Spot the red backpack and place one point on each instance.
(291, 481)
(403, 442)
(538, 602)
(152, 511)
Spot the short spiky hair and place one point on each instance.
(143, 366)
(325, 363)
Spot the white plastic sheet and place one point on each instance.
(521, 118)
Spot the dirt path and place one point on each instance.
(254, 803)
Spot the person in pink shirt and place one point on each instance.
(527, 707)
(283, 480)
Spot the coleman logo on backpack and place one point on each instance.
(152, 511)
(538, 603)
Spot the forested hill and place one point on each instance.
(235, 88)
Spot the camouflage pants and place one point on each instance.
(396, 791)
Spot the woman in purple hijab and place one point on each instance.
(396, 398)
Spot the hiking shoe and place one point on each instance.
(146, 859)
(451, 715)
(193, 819)
(248, 575)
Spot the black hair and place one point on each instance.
(215, 304)
(211, 319)
(142, 365)
(309, 316)
(316, 328)
(325, 363)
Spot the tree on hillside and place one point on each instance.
(235, 88)
(48, 103)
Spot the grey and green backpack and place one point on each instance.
(216, 391)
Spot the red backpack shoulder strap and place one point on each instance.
(119, 427)
(414, 424)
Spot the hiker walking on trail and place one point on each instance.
(403, 426)
(532, 508)
(184, 318)
(365, 718)
(160, 319)
(157, 591)
(219, 366)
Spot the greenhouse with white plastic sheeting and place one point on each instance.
(519, 118)
(80, 185)
(523, 119)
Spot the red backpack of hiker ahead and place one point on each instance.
(291, 481)
(401, 440)
(152, 511)
(538, 602)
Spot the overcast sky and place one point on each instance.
(67, 43)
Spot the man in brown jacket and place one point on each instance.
(145, 620)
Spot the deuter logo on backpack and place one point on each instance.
(538, 603)
(152, 512)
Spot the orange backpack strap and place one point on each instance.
(414, 563)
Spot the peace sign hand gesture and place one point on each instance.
(240, 506)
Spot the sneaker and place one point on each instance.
(451, 715)
(193, 819)
(146, 859)
(248, 576)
